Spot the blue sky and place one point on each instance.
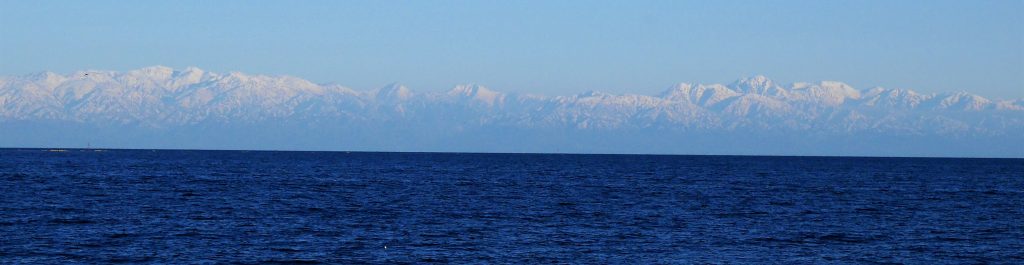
(547, 47)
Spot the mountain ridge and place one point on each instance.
(161, 99)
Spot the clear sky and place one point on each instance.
(547, 47)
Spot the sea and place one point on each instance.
(89, 206)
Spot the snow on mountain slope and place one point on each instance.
(1010, 104)
(759, 85)
(893, 98)
(828, 93)
(392, 93)
(755, 105)
(964, 101)
(161, 97)
(702, 95)
(477, 93)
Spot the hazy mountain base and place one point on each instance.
(292, 135)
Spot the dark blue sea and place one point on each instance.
(178, 207)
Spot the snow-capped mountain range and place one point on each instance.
(173, 106)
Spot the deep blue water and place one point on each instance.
(136, 206)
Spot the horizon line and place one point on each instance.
(95, 149)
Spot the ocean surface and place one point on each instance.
(178, 207)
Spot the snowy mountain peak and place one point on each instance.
(1010, 104)
(188, 76)
(476, 92)
(594, 94)
(468, 89)
(831, 93)
(49, 79)
(393, 91)
(677, 92)
(893, 97)
(703, 95)
(758, 84)
(153, 71)
(190, 72)
(964, 101)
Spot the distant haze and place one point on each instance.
(543, 47)
(191, 108)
